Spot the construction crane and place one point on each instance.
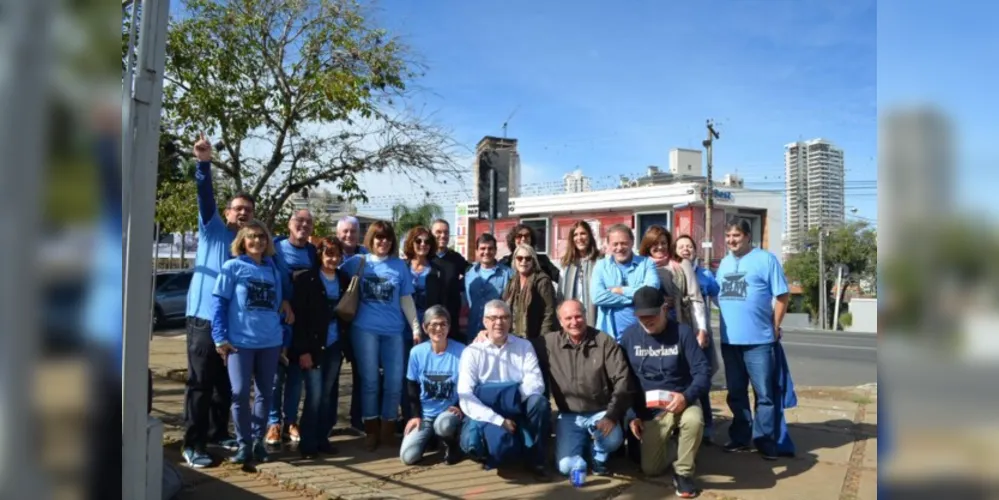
(507, 121)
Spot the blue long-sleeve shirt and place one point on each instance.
(214, 240)
(616, 312)
(481, 286)
(247, 300)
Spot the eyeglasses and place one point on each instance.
(505, 317)
(523, 258)
(435, 325)
(256, 236)
(301, 220)
(422, 241)
(523, 235)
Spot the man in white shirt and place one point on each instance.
(501, 391)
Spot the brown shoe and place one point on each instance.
(293, 433)
(273, 437)
(387, 437)
(371, 429)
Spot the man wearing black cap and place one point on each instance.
(673, 373)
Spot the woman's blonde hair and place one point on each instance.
(239, 244)
(530, 251)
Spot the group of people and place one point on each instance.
(621, 342)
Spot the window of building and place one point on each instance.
(540, 227)
(643, 221)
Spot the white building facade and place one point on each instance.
(815, 189)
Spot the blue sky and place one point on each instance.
(944, 53)
(611, 89)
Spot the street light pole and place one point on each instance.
(709, 201)
(822, 279)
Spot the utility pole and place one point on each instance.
(709, 201)
(822, 279)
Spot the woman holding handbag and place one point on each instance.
(318, 343)
(383, 309)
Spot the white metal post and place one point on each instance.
(141, 139)
(25, 67)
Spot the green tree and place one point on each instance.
(405, 217)
(300, 92)
(853, 244)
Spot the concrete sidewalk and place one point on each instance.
(835, 432)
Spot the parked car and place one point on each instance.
(170, 299)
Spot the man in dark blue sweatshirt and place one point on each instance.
(672, 373)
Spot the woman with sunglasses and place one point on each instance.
(319, 341)
(246, 328)
(531, 295)
(384, 310)
(428, 290)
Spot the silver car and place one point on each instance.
(170, 300)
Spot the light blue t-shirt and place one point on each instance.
(748, 286)
(383, 284)
(254, 295)
(295, 258)
(420, 291)
(333, 296)
(437, 375)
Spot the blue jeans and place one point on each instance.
(756, 365)
(258, 364)
(373, 351)
(322, 393)
(576, 433)
(445, 426)
(528, 442)
(287, 394)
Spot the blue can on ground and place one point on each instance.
(577, 477)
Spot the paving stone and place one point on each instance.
(868, 486)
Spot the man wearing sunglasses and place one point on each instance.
(673, 372)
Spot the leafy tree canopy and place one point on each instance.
(299, 92)
(405, 217)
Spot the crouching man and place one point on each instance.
(673, 373)
(589, 378)
(501, 392)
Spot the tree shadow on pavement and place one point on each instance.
(718, 470)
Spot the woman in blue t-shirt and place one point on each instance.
(317, 345)
(684, 248)
(428, 289)
(432, 381)
(385, 308)
(246, 328)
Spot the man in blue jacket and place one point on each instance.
(673, 373)
(208, 396)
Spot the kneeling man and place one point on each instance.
(673, 373)
(501, 392)
(590, 380)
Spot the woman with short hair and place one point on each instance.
(432, 381)
(319, 341)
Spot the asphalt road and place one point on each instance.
(828, 358)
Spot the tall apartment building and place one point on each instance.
(576, 182)
(490, 143)
(915, 173)
(815, 197)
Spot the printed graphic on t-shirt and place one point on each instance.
(438, 386)
(734, 287)
(260, 295)
(377, 289)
